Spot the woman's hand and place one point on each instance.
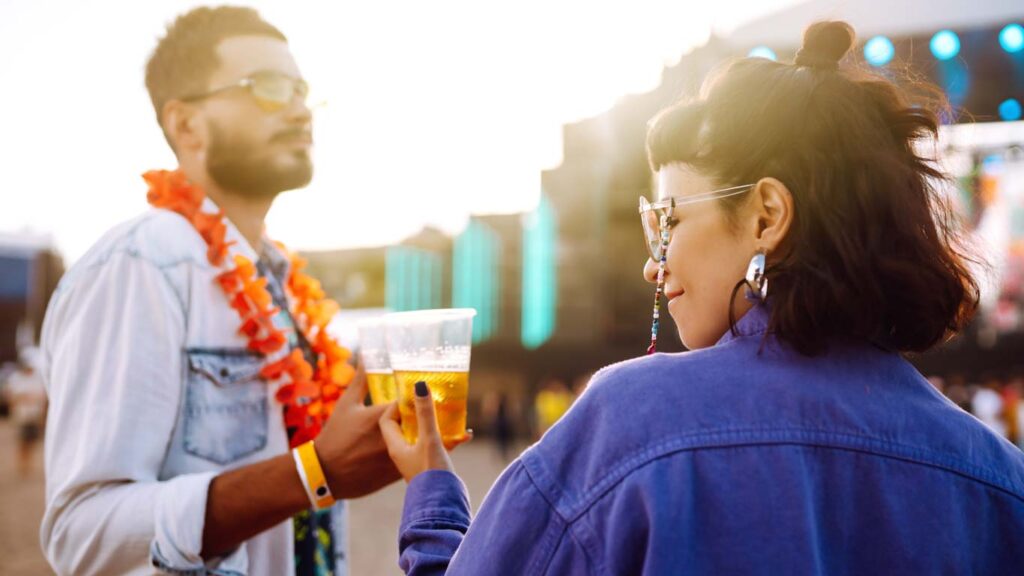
(429, 452)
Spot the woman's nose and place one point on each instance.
(651, 271)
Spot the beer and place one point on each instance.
(449, 391)
(382, 386)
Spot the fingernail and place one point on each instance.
(421, 389)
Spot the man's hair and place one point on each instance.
(875, 251)
(183, 60)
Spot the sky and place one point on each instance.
(427, 111)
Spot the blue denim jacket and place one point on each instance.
(733, 461)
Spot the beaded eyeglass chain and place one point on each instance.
(664, 229)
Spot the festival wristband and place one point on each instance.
(312, 475)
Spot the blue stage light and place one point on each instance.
(762, 52)
(945, 44)
(1009, 110)
(879, 51)
(1012, 38)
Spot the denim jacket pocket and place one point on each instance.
(225, 404)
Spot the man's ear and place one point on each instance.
(184, 126)
(774, 209)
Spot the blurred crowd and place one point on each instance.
(23, 401)
(995, 399)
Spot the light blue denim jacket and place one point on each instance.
(153, 393)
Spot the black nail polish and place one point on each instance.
(421, 389)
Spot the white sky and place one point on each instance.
(435, 110)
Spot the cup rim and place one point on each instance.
(431, 315)
(372, 321)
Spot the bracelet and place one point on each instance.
(312, 475)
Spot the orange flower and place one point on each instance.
(308, 395)
(285, 394)
(268, 345)
(230, 281)
(211, 227)
(256, 292)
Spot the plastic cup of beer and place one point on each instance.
(373, 353)
(432, 346)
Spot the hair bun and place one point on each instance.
(825, 44)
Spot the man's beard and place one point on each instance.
(244, 167)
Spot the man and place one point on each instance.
(168, 375)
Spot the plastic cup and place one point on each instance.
(373, 353)
(432, 346)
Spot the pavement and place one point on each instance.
(374, 518)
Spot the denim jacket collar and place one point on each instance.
(270, 253)
(753, 323)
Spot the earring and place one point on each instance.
(757, 283)
(661, 285)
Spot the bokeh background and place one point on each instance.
(490, 156)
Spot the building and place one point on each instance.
(559, 291)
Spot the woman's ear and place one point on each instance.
(774, 211)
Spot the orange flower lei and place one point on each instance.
(308, 395)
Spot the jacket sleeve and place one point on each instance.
(516, 531)
(113, 349)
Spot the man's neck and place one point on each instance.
(247, 213)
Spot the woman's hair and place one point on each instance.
(875, 250)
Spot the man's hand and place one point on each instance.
(245, 501)
(350, 447)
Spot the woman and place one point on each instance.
(796, 439)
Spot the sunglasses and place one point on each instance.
(272, 91)
(657, 217)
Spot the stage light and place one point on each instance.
(1012, 38)
(945, 44)
(762, 52)
(879, 51)
(540, 275)
(1009, 110)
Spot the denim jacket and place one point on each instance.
(744, 458)
(153, 393)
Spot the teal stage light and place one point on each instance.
(1011, 38)
(879, 51)
(945, 45)
(762, 52)
(1009, 110)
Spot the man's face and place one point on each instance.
(253, 150)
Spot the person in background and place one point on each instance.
(987, 404)
(499, 411)
(804, 249)
(958, 392)
(26, 395)
(1011, 396)
(551, 403)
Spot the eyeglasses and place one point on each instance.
(272, 90)
(657, 217)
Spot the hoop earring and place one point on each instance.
(757, 283)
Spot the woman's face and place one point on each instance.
(705, 258)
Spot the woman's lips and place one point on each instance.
(672, 295)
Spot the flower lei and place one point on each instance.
(308, 395)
